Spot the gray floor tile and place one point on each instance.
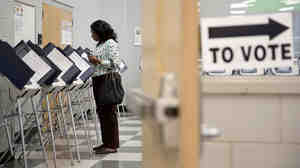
(94, 142)
(83, 156)
(130, 149)
(89, 128)
(64, 155)
(78, 137)
(117, 164)
(130, 125)
(128, 132)
(20, 163)
(136, 138)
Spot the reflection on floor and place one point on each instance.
(129, 155)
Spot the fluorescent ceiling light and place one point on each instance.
(286, 9)
(240, 5)
(291, 2)
(244, 4)
(249, 1)
(237, 12)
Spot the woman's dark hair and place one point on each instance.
(104, 31)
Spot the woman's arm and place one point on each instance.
(94, 60)
(113, 50)
(112, 56)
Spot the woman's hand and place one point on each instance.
(94, 60)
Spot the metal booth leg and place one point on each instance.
(51, 130)
(21, 116)
(73, 125)
(85, 119)
(39, 130)
(65, 123)
(93, 108)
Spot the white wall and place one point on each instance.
(6, 22)
(124, 15)
(84, 14)
(209, 9)
(134, 53)
(258, 130)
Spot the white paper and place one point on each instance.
(24, 23)
(66, 37)
(37, 65)
(60, 61)
(66, 33)
(80, 63)
(19, 23)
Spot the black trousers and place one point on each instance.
(108, 118)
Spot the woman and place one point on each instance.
(106, 58)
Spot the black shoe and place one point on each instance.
(106, 151)
(98, 147)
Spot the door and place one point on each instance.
(57, 25)
(57, 29)
(170, 45)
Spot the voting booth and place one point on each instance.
(27, 71)
(84, 85)
(86, 69)
(9, 61)
(42, 70)
(69, 70)
(55, 72)
(18, 77)
(46, 72)
(83, 52)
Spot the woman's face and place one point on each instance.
(95, 36)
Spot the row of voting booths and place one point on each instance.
(54, 82)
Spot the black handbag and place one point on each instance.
(111, 90)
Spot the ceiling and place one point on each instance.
(239, 7)
(263, 6)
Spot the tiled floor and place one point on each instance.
(129, 154)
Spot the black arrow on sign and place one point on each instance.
(272, 29)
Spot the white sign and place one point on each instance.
(137, 36)
(66, 33)
(258, 41)
(24, 23)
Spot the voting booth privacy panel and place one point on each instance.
(13, 67)
(43, 71)
(69, 70)
(85, 68)
(55, 72)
